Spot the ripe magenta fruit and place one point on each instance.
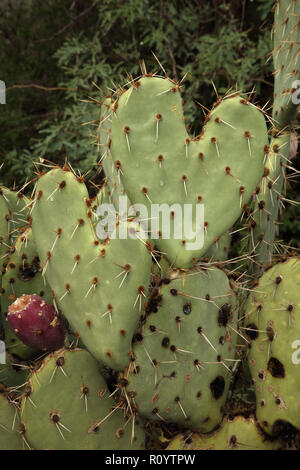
(35, 322)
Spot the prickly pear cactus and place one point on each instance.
(272, 324)
(237, 434)
(66, 405)
(286, 61)
(164, 317)
(183, 359)
(159, 162)
(100, 287)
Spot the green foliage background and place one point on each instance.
(66, 45)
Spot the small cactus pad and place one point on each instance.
(182, 360)
(237, 434)
(286, 62)
(263, 219)
(36, 323)
(160, 163)
(10, 438)
(100, 287)
(273, 324)
(66, 405)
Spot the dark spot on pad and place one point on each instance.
(251, 331)
(276, 368)
(283, 429)
(217, 387)
(270, 333)
(165, 342)
(187, 308)
(233, 441)
(137, 338)
(224, 315)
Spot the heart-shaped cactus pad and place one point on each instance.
(159, 163)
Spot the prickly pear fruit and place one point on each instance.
(22, 275)
(36, 323)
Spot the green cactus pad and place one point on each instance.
(181, 364)
(67, 406)
(160, 163)
(273, 325)
(100, 287)
(237, 434)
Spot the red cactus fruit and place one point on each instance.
(36, 323)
